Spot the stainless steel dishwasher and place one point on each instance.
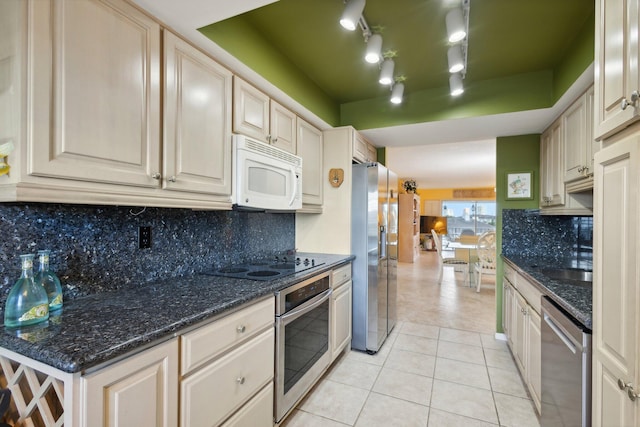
(566, 369)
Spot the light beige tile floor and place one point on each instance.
(441, 366)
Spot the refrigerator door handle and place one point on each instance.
(383, 242)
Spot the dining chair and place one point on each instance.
(450, 262)
(486, 257)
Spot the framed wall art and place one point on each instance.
(519, 185)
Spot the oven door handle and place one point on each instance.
(305, 308)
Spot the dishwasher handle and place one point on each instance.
(563, 337)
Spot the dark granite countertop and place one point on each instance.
(94, 329)
(576, 300)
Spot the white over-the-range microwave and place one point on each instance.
(265, 177)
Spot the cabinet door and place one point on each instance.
(520, 332)
(574, 127)
(507, 309)
(534, 357)
(372, 153)
(341, 322)
(282, 128)
(197, 120)
(250, 110)
(98, 118)
(432, 208)
(142, 390)
(258, 412)
(615, 286)
(551, 166)
(360, 149)
(310, 148)
(616, 64)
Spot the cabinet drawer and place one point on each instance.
(213, 393)
(340, 275)
(530, 292)
(258, 412)
(509, 273)
(201, 345)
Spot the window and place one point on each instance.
(468, 217)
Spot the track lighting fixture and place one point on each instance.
(374, 48)
(386, 72)
(455, 84)
(396, 93)
(456, 29)
(352, 13)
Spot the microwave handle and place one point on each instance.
(295, 186)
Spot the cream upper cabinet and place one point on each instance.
(258, 116)
(616, 285)
(363, 151)
(551, 161)
(283, 128)
(141, 390)
(250, 110)
(617, 81)
(310, 148)
(197, 119)
(431, 208)
(95, 92)
(578, 146)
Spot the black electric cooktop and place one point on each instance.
(266, 269)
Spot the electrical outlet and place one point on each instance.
(144, 237)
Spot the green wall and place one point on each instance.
(513, 153)
(241, 40)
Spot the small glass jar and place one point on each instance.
(48, 279)
(27, 302)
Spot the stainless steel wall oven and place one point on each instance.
(302, 340)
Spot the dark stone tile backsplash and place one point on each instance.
(95, 248)
(526, 233)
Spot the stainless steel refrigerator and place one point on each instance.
(374, 242)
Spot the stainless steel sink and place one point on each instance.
(569, 274)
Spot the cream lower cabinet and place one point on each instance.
(310, 148)
(521, 322)
(141, 390)
(227, 369)
(616, 285)
(341, 300)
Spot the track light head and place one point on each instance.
(455, 84)
(396, 93)
(386, 72)
(456, 29)
(351, 14)
(455, 59)
(374, 48)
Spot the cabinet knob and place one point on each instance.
(269, 139)
(172, 179)
(241, 329)
(633, 100)
(240, 380)
(156, 175)
(623, 385)
(632, 394)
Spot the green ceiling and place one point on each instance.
(523, 54)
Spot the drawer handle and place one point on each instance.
(240, 380)
(241, 329)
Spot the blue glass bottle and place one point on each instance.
(49, 281)
(27, 303)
